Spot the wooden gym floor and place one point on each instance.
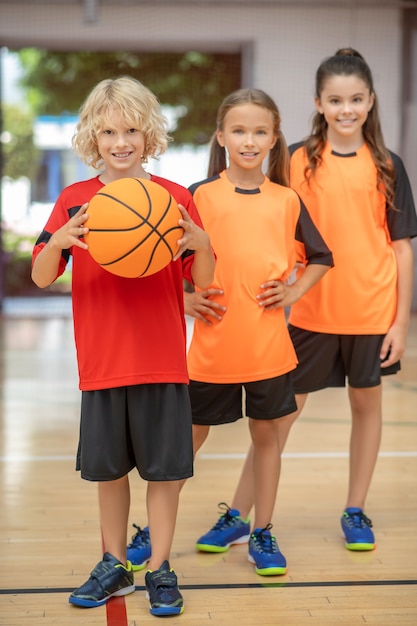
(49, 527)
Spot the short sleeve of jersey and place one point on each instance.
(183, 197)
(316, 250)
(68, 203)
(402, 220)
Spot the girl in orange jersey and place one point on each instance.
(353, 324)
(259, 228)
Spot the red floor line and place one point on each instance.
(116, 613)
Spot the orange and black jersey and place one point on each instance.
(359, 296)
(258, 235)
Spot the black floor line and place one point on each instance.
(272, 585)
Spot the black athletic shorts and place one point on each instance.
(326, 360)
(214, 404)
(143, 426)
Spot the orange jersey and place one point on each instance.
(254, 234)
(359, 295)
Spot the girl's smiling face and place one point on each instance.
(248, 135)
(345, 102)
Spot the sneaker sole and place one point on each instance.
(165, 610)
(267, 571)
(138, 568)
(89, 604)
(360, 547)
(207, 547)
(271, 571)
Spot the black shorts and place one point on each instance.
(326, 360)
(214, 404)
(143, 426)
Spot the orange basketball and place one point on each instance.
(133, 227)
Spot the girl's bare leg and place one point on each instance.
(200, 434)
(244, 497)
(365, 440)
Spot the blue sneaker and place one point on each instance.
(229, 529)
(109, 578)
(357, 530)
(162, 591)
(265, 554)
(138, 552)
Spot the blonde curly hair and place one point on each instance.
(139, 107)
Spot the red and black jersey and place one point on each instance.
(359, 295)
(258, 235)
(128, 331)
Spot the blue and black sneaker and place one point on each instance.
(109, 578)
(265, 554)
(162, 591)
(357, 530)
(229, 529)
(138, 552)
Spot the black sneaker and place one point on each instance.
(162, 591)
(109, 578)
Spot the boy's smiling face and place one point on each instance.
(121, 148)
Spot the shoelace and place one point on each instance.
(358, 520)
(225, 518)
(141, 536)
(265, 541)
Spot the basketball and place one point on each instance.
(133, 227)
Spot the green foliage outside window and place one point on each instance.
(57, 82)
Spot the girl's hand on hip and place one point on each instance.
(277, 294)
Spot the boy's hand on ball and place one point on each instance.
(69, 234)
(194, 237)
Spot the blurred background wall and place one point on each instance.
(279, 45)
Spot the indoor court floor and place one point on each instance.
(49, 526)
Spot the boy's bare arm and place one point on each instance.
(45, 266)
(195, 238)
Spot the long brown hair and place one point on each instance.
(348, 62)
(278, 160)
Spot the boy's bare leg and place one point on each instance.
(162, 504)
(114, 504)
